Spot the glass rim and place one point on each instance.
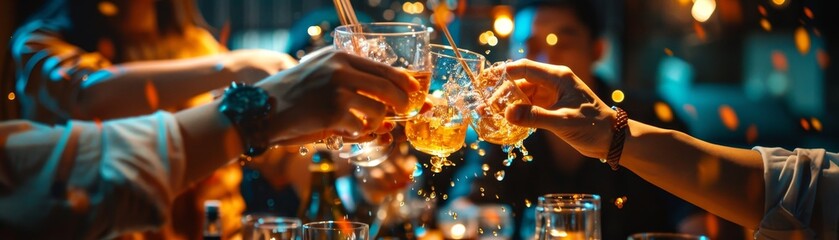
(461, 50)
(323, 225)
(665, 234)
(571, 196)
(344, 29)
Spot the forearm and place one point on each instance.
(725, 181)
(143, 87)
(209, 139)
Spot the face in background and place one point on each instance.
(574, 44)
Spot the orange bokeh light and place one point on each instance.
(765, 24)
(751, 134)
(728, 117)
(816, 123)
(663, 111)
(779, 61)
(151, 95)
(802, 40)
(805, 124)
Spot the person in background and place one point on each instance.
(94, 180)
(99, 60)
(571, 33)
(783, 194)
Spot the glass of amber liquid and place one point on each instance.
(442, 130)
(495, 91)
(400, 45)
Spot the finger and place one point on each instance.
(385, 127)
(398, 77)
(349, 124)
(361, 138)
(539, 73)
(371, 111)
(533, 116)
(375, 87)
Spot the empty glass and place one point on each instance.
(275, 228)
(568, 216)
(336, 230)
(665, 236)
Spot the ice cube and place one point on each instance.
(378, 50)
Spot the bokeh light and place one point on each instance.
(503, 25)
(314, 31)
(779, 61)
(751, 134)
(805, 124)
(663, 111)
(728, 117)
(492, 41)
(823, 58)
(551, 39)
(11, 96)
(765, 24)
(816, 124)
(668, 51)
(108, 8)
(618, 96)
(151, 95)
(702, 9)
(802, 40)
(779, 3)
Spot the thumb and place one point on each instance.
(527, 115)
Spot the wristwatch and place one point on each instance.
(248, 108)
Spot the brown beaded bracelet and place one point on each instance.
(619, 130)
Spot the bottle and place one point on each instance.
(323, 202)
(212, 220)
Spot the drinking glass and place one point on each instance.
(568, 216)
(665, 236)
(335, 230)
(495, 91)
(442, 130)
(275, 228)
(400, 45)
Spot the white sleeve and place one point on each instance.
(801, 194)
(89, 180)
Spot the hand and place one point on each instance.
(252, 65)
(562, 104)
(335, 93)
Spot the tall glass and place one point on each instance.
(336, 230)
(400, 45)
(665, 236)
(496, 91)
(442, 130)
(276, 228)
(568, 216)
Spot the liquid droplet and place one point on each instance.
(482, 189)
(445, 196)
(527, 158)
(481, 152)
(485, 167)
(473, 145)
(511, 156)
(303, 150)
(452, 183)
(507, 162)
(500, 175)
(527, 202)
(619, 202)
(480, 231)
